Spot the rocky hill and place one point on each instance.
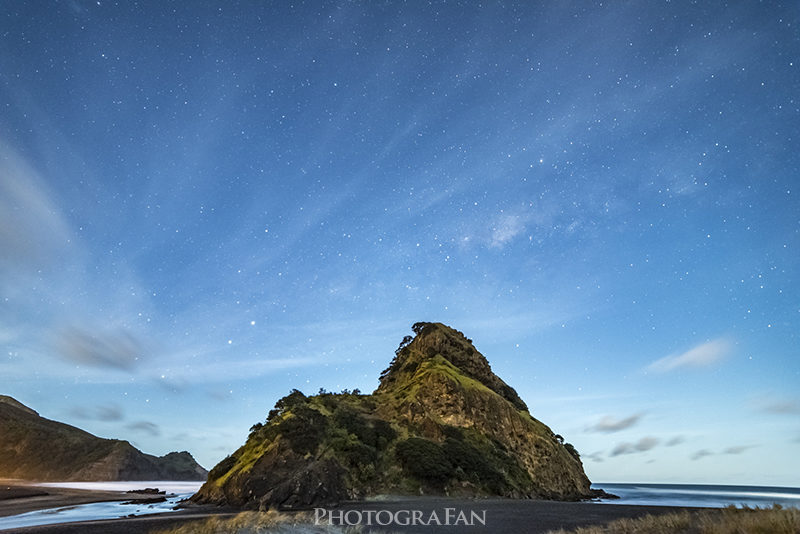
(35, 448)
(441, 422)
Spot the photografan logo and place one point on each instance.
(443, 517)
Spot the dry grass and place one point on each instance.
(775, 520)
(259, 523)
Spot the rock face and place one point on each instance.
(35, 448)
(441, 422)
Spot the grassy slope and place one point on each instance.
(730, 520)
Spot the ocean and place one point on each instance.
(699, 495)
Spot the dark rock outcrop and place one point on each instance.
(441, 422)
(35, 448)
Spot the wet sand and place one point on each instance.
(17, 497)
(502, 515)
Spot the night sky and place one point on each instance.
(206, 204)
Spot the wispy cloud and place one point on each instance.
(702, 355)
(31, 227)
(677, 440)
(145, 427)
(118, 349)
(782, 407)
(220, 370)
(519, 321)
(702, 453)
(54, 316)
(644, 444)
(98, 413)
(595, 456)
(738, 449)
(609, 424)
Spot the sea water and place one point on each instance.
(697, 495)
(176, 491)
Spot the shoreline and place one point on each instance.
(502, 515)
(498, 514)
(20, 497)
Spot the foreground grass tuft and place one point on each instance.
(731, 520)
(258, 523)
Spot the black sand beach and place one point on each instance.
(501, 515)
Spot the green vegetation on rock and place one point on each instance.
(440, 422)
(424, 460)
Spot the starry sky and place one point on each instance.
(206, 204)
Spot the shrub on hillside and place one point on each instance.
(475, 465)
(294, 398)
(573, 451)
(424, 460)
(304, 429)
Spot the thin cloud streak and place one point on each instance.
(608, 424)
(703, 355)
(116, 350)
(145, 427)
(32, 229)
(702, 453)
(644, 444)
(782, 407)
(98, 413)
(738, 449)
(221, 371)
(595, 456)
